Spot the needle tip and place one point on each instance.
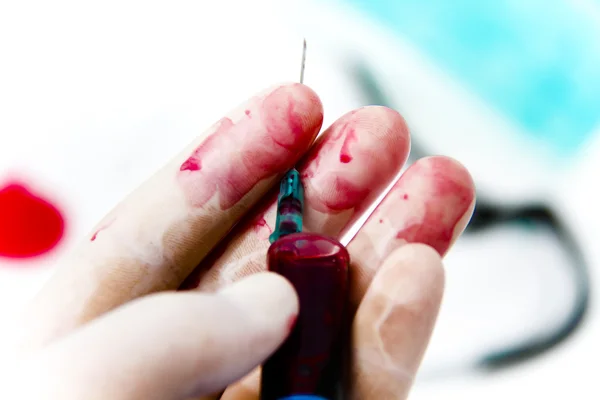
(303, 61)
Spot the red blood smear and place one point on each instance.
(210, 144)
(262, 228)
(231, 161)
(100, 229)
(29, 225)
(450, 199)
(348, 195)
(345, 156)
(310, 164)
(348, 187)
(309, 361)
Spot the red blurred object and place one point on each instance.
(29, 224)
(309, 361)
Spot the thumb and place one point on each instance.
(170, 345)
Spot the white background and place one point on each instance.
(93, 98)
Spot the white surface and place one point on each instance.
(93, 98)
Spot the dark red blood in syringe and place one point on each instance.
(309, 362)
(29, 225)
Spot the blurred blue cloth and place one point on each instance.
(537, 62)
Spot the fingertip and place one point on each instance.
(296, 105)
(395, 320)
(312, 99)
(267, 296)
(386, 130)
(389, 135)
(310, 103)
(418, 264)
(387, 117)
(352, 162)
(452, 168)
(440, 191)
(458, 177)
